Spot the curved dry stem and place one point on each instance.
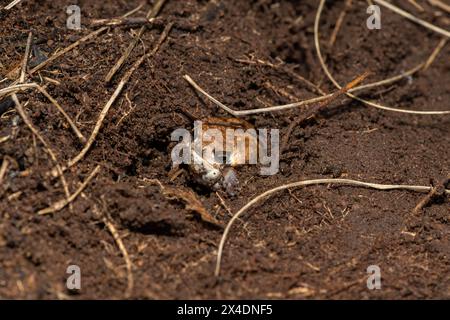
(154, 11)
(50, 151)
(348, 182)
(113, 99)
(16, 88)
(337, 85)
(435, 53)
(409, 16)
(24, 86)
(129, 265)
(67, 49)
(59, 205)
(239, 113)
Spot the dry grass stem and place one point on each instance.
(416, 5)
(49, 150)
(441, 5)
(12, 4)
(337, 85)
(239, 113)
(5, 138)
(118, 239)
(282, 67)
(121, 21)
(340, 20)
(130, 13)
(113, 98)
(25, 59)
(62, 52)
(431, 195)
(86, 38)
(435, 53)
(151, 14)
(347, 182)
(59, 205)
(124, 17)
(3, 168)
(25, 86)
(223, 203)
(409, 16)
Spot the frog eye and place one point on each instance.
(212, 175)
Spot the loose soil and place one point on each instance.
(306, 243)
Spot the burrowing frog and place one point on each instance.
(214, 157)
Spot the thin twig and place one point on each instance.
(416, 5)
(45, 93)
(409, 16)
(339, 21)
(110, 22)
(50, 151)
(25, 58)
(17, 87)
(3, 168)
(118, 239)
(121, 21)
(348, 182)
(440, 5)
(5, 138)
(133, 11)
(430, 196)
(151, 14)
(67, 49)
(425, 201)
(59, 205)
(224, 205)
(316, 109)
(435, 53)
(152, 23)
(12, 4)
(25, 86)
(281, 67)
(86, 38)
(337, 85)
(130, 110)
(239, 113)
(113, 98)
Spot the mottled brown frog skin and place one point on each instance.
(219, 176)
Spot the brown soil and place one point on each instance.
(307, 243)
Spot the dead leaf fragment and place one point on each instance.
(192, 203)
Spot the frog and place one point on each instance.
(216, 171)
